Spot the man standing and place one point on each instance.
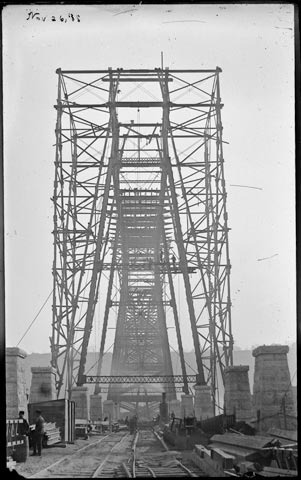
(38, 434)
(173, 258)
(23, 428)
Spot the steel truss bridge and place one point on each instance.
(140, 225)
(108, 379)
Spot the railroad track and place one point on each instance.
(122, 455)
(148, 460)
(91, 460)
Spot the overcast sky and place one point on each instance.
(254, 46)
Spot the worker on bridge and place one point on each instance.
(38, 434)
(23, 428)
(173, 258)
(133, 424)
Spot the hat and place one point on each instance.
(21, 412)
(38, 411)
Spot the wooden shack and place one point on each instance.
(61, 412)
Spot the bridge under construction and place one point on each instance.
(140, 200)
(141, 264)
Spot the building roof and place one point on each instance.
(254, 442)
(291, 435)
(234, 450)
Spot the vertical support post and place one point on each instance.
(229, 348)
(54, 340)
(178, 229)
(175, 313)
(95, 272)
(106, 314)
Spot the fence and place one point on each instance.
(13, 436)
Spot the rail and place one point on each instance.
(99, 469)
(49, 468)
(142, 468)
(120, 456)
(134, 453)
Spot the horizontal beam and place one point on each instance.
(137, 79)
(146, 266)
(167, 388)
(130, 379)
(121, 124)
(134, 303)
(141, 398)
(135, 105)
(125, 135)
(153, 71)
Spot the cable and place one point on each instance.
(94, 364)
(184, 360)
(290, 384)
(284, 395)
(36, 316)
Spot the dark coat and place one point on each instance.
(23, 428)
(40, 425)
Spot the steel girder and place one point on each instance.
(140, 379)
(172, 151)
(141, 342)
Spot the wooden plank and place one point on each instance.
(281, 471)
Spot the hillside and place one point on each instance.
(241, 357)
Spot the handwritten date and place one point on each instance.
(53, 18)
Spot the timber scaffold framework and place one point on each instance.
(140, 204)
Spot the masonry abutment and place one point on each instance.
(175, 408)
(81, 398)
(16, 398)
(108, 410)
(187, 407)
(95, 407)
(272, 390)
(43, 384)
(237, 396)
(202, 402)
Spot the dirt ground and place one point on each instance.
(51, 455)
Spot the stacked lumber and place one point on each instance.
(10, 464)
(52, 434)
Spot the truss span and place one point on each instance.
(140, 199)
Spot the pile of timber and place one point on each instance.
(52, 434)
(10, 464)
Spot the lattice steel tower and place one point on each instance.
(139, 204)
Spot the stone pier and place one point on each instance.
(16, 398)
(108, 409)
(163, 409)
(43, 384)
(237, 396)
(186, 405)
(272, 390)
(95, 407)
(175, 407)
(116, 412)
(202, 402)
(80, 395)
